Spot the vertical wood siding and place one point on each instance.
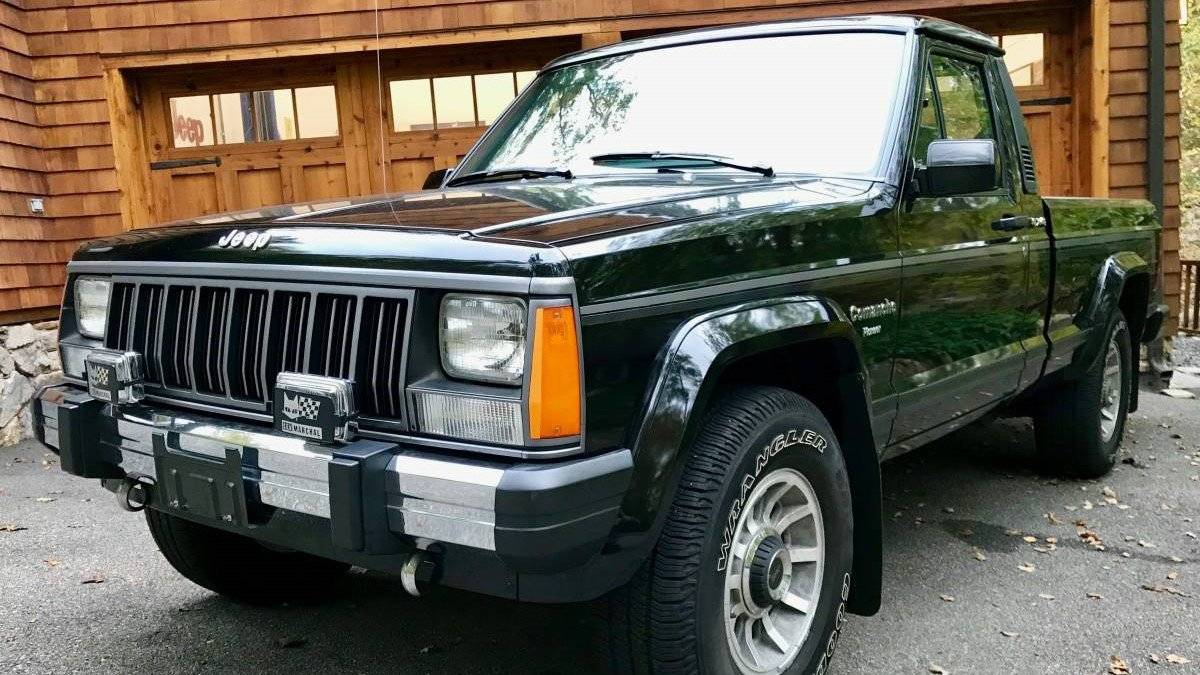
(56, 141)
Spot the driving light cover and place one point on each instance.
(469, 418)
(482, 338)
(91, 305)
(554, 375)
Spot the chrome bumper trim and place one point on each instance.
(447, 501)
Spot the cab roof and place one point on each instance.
(885, 23)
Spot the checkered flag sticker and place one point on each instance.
(297, 407)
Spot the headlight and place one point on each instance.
(91, 305)
(483, 338)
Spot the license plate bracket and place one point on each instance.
(201, 487)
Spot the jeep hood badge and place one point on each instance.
(250, 240)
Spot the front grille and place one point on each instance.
(225, 343)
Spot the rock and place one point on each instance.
(47, 325)
(21, 335)
(29, 359)
(11, 433)
(6, 362)
(15, 392)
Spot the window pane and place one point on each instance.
(235, 121)
(412, 105)
(276, 116)
(1024, 55)
(191, 121)
(965, 110)
(317, 107)
(493, 92)
(524, 77)
(455, 106)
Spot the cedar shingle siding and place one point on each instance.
(73, 72)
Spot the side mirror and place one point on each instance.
(436, 179)
(959, 167)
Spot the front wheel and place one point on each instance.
(752, 570)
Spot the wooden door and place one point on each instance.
(242, 138)
(1039, 48)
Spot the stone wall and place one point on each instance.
(28, 359)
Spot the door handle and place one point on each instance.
(1012, 223)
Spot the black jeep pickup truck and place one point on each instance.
(646, 345)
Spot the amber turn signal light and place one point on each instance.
(554, 376)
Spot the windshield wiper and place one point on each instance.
(676, 160)
(507, 173)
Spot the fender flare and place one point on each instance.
(688, 370)
(1099, 310)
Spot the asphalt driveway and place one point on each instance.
(986, 572)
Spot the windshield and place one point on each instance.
(817, 103)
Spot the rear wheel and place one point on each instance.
(1080, 423)
(752, 571)
(238, 566)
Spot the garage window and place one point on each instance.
(427, 103)
(228, 118)
(1025, 58)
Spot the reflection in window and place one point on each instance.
(455, 101)
(253, 116)
(191, 121)
(963, 97)
(1024, 56)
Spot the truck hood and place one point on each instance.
(512, 228)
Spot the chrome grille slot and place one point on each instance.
(380, 357)
(247, 378)
(119, 332)
(176, 349)
(290, 323)
(211, 337)
(332, 338)
(148, 330)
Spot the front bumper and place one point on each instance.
(487, 523)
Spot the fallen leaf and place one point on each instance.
(947, 598)
(1172, 576)
(938, 670)
(1087, 505)
(975, 551)
(949, 509)
(1026, 567)
(1158, 588)
(53, 562)
(1145, 544)
(94, 579)
(1029, 539)
(1045, 596)
(1054, 520)
(1117, 666)
(1177, 659)
(1095, 596)
(1012, 533)
(1051, 540)
(1155, 658)
(45, 500)
(11, 527)
(1009, 634)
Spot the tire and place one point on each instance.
(759, 445)
(1080, 422)
(239, 567)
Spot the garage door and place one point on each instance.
(224, 140)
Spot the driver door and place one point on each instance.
(963, 311)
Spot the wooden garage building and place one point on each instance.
(117, 114)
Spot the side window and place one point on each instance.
(963, 95)
(929, 125)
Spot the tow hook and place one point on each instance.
(419, 567)
(133, 494)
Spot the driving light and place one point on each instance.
(483, 338)
(554, 375)
(91, 305)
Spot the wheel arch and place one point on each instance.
(1122, 287)
(751, 344)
